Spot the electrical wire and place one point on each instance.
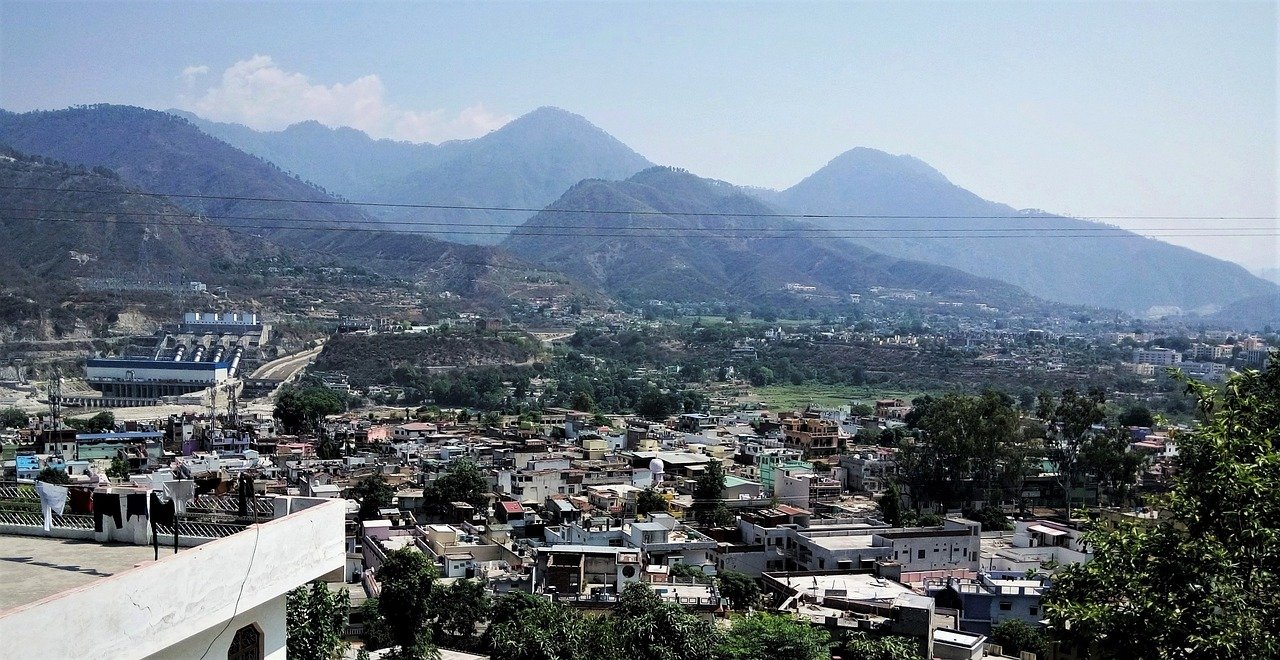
(550, 209)
(387, 224)
(678, 232)
(235, 609)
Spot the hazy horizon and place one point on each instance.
(1088, 110)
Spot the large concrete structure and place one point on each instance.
(222, 599)
(152, 379)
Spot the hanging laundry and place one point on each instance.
(81, 500)
(181, 492)
(162, 513)
(106, 504)
(136, 505)
(52, 498)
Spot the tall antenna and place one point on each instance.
(55, 404)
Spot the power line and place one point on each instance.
(390, 225)
(673, 232)
(529, 209)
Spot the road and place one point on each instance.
(286, 367)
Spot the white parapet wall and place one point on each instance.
(190, 604)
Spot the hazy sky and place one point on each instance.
(1090, 109)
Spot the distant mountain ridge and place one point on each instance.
(711, 255)
(1066, 263)
(160, 152)
(527, 163)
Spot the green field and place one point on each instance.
(792, 397)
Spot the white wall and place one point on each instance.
(163, 605)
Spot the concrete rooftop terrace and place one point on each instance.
(32, 568)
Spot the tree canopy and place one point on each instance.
(315, 620)
(407, 577)
(301, 410)
(765, 635)
(13, 418)
(462, 482)
(373, 492)
(1203, 579)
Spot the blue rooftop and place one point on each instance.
(126, 363)
(125, 435)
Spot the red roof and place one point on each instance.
(513, 507)
(791, 510)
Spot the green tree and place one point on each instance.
(582, 401)
(301, 410)
(458, 608)
(964, 448)
(1016, 636)
(13, 418)
(527, 627)
(740, 589)
(654, 405)
(707, 490)
(1202, 580)
(1137, 416)
(373, 492)
(375, 635)
(764, 635)
(650, 629)
(1069, 426)
(407, 577)
(102, 422)
(689, 572)
(650, 500)
(462, 482)
(119, 469)
(52, 475)
(891, 506)
(861, 646)
(315, 620)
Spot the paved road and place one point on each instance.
(284, 368)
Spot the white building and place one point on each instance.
(1161, 357)
(221, 599)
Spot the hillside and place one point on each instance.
(369, 359)
(1130, 272)
(528, 163)
(156, 151)
(163, 153)
(712, 257)
(342, 160)
(106, 234)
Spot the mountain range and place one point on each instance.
(680, 237)
(899, 214)
(908, 209)
(527, 163)
(206, 177)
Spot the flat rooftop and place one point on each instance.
(36, 567)
(854, 586)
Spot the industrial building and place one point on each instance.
(152, 379)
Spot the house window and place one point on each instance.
(822, 563)
(1033, 611)
(247, 644)
(1006, 606)
(920, 555)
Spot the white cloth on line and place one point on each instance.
(52, 497)
(180, 492)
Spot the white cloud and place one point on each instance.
(258, 93)
(194, 71)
